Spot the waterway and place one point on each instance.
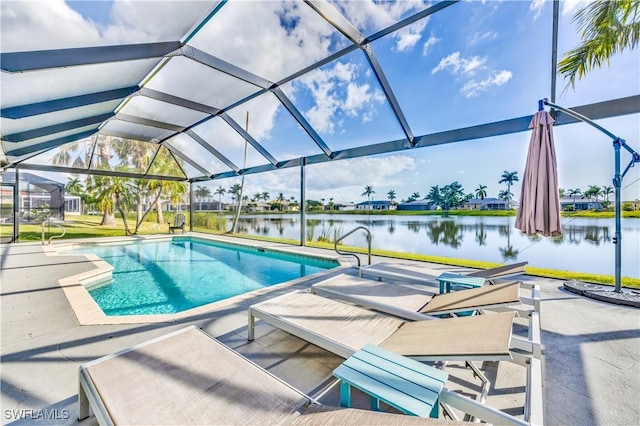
(585, 246)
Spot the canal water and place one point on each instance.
(585, 246)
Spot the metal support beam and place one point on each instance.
(56, 128)
(554, 48)
(51, 144)
(146, 122)
(254, 143)
(618, 107)
(58, 58)
(411, 20)
(303, 198)
(213, 151)
(339, 22)
(174, 151)
(297, 115)
(223, 66)
(191, 206)
(175, 100)
(388, 92)
(16, 207)
(37, 108)
(99, 172)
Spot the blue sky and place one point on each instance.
(472, 63)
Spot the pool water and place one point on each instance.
(165, 277)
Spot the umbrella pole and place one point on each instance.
(617, 182)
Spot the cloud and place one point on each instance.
(335, 90)
(536, 7)
(569, 7)
(370, 16)
(473, 88)
(458, 65)
(431, 41)
(478, 37)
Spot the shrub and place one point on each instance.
(628, 207)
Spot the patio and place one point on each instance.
(590, 349)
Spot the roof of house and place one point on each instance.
(375, 203)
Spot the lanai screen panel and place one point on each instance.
(471, 58)
(188, 79)
(274, 128)
(163, 112)
(271, 39)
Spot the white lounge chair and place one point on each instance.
(423, 275)
(344, 329)
(415, 303)
(187, 377)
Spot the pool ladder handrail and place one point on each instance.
(50, 222)
(346, 253)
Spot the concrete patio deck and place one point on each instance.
(591, 350)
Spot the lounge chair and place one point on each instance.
(187, 377)
(415, 303)
(344, 328)
(179, 222)
(423, 275)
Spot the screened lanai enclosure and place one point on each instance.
(208, 90)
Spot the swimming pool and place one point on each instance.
(170, 276)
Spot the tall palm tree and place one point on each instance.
(368, 190)
(391, 195)
(606, 191)
(280, 200)
(265, 196)
(572, 193)
(481, 191)
(74, 186)
(608, 27)
(220, 191)
(202, 192)
(508, 178)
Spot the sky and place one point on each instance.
(472, 63)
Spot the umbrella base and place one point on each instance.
(604, 293)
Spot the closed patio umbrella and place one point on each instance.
(539, 211)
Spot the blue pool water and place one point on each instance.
(166, 277)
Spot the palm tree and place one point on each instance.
(280, 200)
(505, 196)
(606, 191)
(220, 191)
(481, 191)
(572, 193)
(608, 27)
(562, 192)
(74, 186)
(265, 196)
(235, 193)
(391, 195)
(508, 178)
(202, 192)
(368, 190)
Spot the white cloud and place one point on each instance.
(431, 41)
(370, 16)
(569, 7)
(480, 37)
(336, 90)
(536, 7)
(473, 88)
(458, 65)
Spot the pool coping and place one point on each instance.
(88, 312)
